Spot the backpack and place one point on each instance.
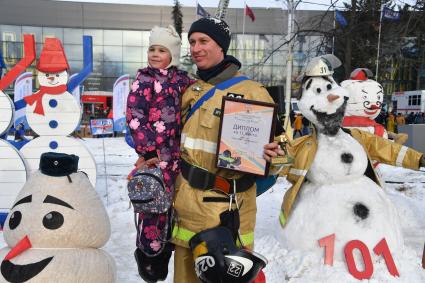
(147, 191)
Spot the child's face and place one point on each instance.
(158, 57)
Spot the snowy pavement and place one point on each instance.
(406, 189)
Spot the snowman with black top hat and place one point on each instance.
(335, 190)
(53, 113)
(56, 228)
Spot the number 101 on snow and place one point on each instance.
(381, 249)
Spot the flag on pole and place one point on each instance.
(339, 17)
(202, 12)
(249, 13)
(389, 14)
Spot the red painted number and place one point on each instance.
(329, 243)
(351, 264)
(382, 249)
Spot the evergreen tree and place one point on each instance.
(177, 16)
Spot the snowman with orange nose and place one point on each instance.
(56, 228)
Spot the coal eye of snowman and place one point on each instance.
(53, 220)
(57, 75)
(318, 90)
(329, 86)
(15, 220)
(47, 75)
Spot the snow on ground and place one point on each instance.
(406, 189)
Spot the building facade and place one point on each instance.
(121, 36)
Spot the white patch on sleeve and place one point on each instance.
(401, 155)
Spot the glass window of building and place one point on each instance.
(11, 33)
(73, 52)
(96, 34)
(132, 54)
(131, 68)
(112, 53)
(132, 38)
(53, 32)
(112, 37)
(36, 31)
(97, 53)
(75, 66)
(145, 38)
(112, 69)
(72, 36)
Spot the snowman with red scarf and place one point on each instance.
(53, 113)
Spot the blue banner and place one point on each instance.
(389, 14)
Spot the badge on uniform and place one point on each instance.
(217, 112)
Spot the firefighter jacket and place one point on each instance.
(197, 209)
(304, 150)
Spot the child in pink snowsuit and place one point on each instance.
(153, 116)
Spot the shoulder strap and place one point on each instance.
(221, 86)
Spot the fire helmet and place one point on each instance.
(219, 260)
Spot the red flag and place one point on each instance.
(249, 13)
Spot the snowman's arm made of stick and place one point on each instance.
(26, 61)
(88, 64)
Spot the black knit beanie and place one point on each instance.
(215, 28)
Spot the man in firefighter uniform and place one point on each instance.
(204, 193)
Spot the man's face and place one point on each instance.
(206, 53)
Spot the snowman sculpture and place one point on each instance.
(13, 168)
(364, 105)
(56, 228)
(366, 97)
(53, 113)
(335, 190)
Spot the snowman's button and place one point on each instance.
(53, 103)
(56, 163)
(53, 145)
(347, 157)
(53, 124)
